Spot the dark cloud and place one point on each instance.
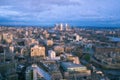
(59, 10)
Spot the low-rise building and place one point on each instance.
(58, 49)
(38, 51)
(8, 37)
(51, 54)
(71, 71)
(49, 42)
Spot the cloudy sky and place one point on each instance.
(49, 12)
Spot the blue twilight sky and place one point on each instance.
(49, 12)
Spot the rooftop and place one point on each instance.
(114, 39)
(72, 66)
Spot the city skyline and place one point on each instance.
(49, 12)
